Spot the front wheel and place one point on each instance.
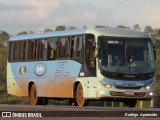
(35, 100)
(81, 101)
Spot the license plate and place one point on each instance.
(129, 93)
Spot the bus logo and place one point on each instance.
(22, 70)
(61, 69)
(40, 69)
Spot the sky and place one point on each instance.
(36, 15)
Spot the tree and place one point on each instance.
(4, 37)
(122, 26)
(22, 33)
(71, 28)
(158, 32)
(136, 27)
(148, 29)
(30, 32)
(60, 28)
(48, 30)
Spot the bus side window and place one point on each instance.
(15, 53)
(63, 51)
(34, 50)
(67, 48)
(10, 56)
(21, 51)
(58, 48)
(31, 50)
(42, 49)
(18, 51)
(12, 51)
(52, 49)
(26, 52)
(71, 47)
(78, 46)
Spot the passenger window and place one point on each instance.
(64, 47)
(26, 50)
(42, 46)
(58, 48)
(22, 51)
(78, 47)
(71, 42)
(18, 51)
(52, 49)
(32, 50)
(15, 51)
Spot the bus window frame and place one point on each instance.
(31, 43)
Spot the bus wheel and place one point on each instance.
(35, 100)
(72, 102)
(130, 103)
(45, 101)
(79, 96)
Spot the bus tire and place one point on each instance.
(130, 102)
(81, 101)
(35, 100)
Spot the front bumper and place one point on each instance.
(125, 93)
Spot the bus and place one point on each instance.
(92, 63)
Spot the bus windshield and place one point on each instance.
(126, 55)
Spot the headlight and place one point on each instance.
(148, 87)
(151, 93)
(105, 84)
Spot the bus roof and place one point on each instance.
(97, 31)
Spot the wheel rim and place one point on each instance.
(33, 95)
(79, 95)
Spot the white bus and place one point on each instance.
(92, 63)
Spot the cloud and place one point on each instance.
(148, 14)
(31, 16)
(80, 14)
(38, 14)
(44, 7)
(142, 12)
(7, 8)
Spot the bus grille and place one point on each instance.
(136, 94)
(128, 87)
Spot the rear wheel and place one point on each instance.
(35, 100)
(81, 101)
(130, 102)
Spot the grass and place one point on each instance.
(10, 99)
